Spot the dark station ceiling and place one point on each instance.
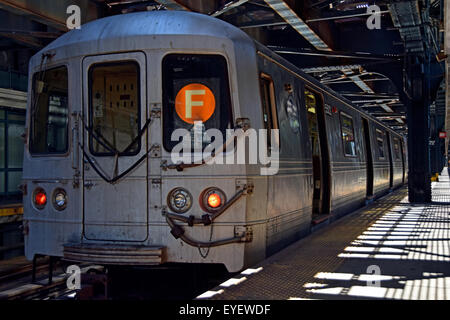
(328, 39)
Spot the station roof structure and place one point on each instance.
(328, 39)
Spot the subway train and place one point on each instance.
(100, 181)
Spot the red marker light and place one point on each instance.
(40, 199)
(214, 200)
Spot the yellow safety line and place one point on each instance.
(11, 211)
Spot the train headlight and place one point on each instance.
(39, 198)
(60, 199)
(179, 200)
(212, 199)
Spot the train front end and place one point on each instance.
(129, 153)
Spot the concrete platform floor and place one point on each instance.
(390, 249)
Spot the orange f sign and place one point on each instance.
(195, 102)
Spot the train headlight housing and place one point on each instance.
(212, 199)
(179, 200)
(60, 199)
(39, 198)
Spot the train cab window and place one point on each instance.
(270, 116)
(380, 144)
(196, 96)
(49, 112)
(114, 107)
(348, 135)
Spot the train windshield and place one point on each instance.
(49, 112)
(196, 97)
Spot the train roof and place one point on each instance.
(130, 27)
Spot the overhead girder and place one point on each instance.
(50, 12)
(294, 20)
(333, 54)
(228, 7)
(173, 5)
(25, 31)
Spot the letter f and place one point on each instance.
(190, 103)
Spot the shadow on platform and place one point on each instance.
(390, 249)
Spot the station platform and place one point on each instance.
(390, 249)
(11, 212)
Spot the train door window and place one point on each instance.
(380, 144)
(49, 112)
(114, 107)
(196, 96)
(270, 115)
(397, 155)
(348, 135)
(313, 125)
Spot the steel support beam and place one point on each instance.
(419, 177)
(228, 7)
(447, 87)
(24, 31)
(331, 68)
(345, 16)
(261, 24)
(332, 54)
(284, 11)
(173, 5)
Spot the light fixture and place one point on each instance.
(39, 198)
(212, 199)
(179, 200)
(59, 199)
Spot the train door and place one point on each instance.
(369, 158)
(320, 154)
(391, 161)
(115, 147)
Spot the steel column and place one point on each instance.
(418, 114)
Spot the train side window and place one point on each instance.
(49, 112)
(348, 135)
(397, 149)
(114, 115)
(270, 115)
(380, 143)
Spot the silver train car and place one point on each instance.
(100, 182)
